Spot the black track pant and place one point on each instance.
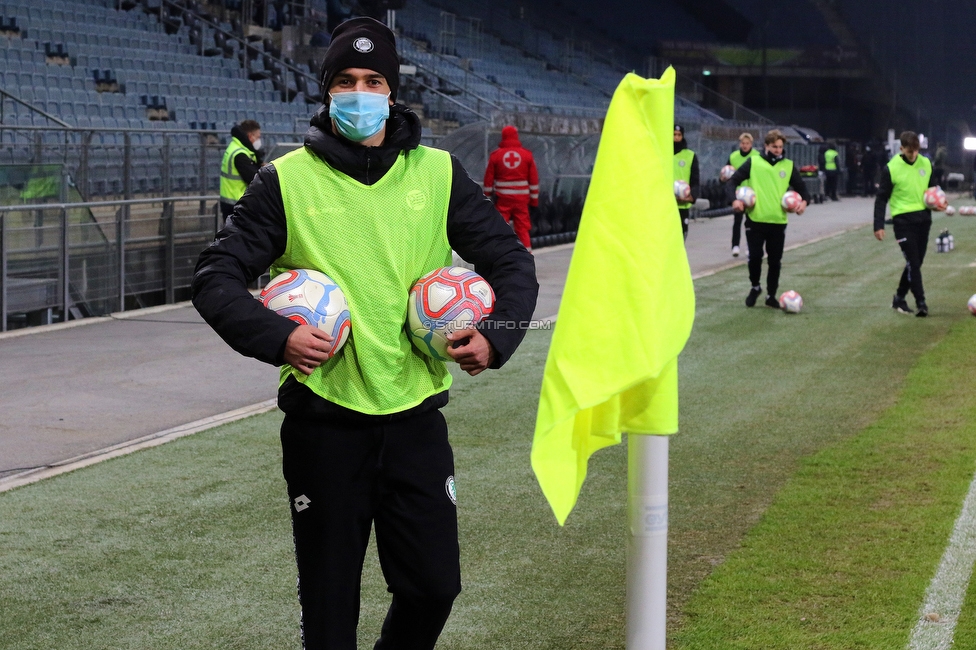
(830, 184)
(737, 227)
(913, 237)
(683, 213)
(771, 237)
(397, 476)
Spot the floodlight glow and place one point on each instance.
(969, 144)
(706, 72)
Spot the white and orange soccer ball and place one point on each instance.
(310, 297)
(791, 201)
(791, 302)
(972, 304)
(726, 173)
(935, 198)
(682, 192)
(446, 300)
(747, 195)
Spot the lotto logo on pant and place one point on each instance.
(451, 490)
(302, 503)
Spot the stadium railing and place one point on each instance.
(61, 261)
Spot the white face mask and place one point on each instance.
(257, 144)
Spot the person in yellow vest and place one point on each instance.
(685, 169)
(828, 163)
(903, 182)
(736, 158)
(364, 443)
(240, 163)
(770, 176)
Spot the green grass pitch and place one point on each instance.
(821, 463)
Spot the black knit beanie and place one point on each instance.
(362, 43)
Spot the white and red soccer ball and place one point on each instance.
(310, 297)
(935, 198)
(791, 302)
(747, 195)
(682, 192)
(972, 305)
(726, 173)
(950, 211)
(967, 210)
(446, 300)
(791, 201)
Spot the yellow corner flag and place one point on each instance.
(628, 304)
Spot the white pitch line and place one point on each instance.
(947, 591)
(129, 446)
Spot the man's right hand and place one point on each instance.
(879, 234)
(738, 206)
(307, 348)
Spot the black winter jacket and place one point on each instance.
(255, 235)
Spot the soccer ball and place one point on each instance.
(682, 192)
(310, 297)
(972, 304)
(790, 302)
(443, 301)
(950, 211)
(935, 198)
(968, 210)
(747, 195)
(791, 201)
(726, 173)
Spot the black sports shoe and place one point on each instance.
(922, 310)
(772, 302)
(898, 304)
(753, 296)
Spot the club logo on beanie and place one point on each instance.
(363, 45)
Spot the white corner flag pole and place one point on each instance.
(647, 541)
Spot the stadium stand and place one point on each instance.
(92, 66)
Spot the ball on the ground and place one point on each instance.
(747, 195)
(967, 210)
(726, 173)
(443, 301)
(310, 297)
(791, 302)
(972, 304)
(935, 198)
(950, 211)
(682, 192)
(791, 201)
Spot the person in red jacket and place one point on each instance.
(514, 180)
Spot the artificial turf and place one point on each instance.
(188, 545)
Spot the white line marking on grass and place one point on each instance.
(945, 595)
(129, 446)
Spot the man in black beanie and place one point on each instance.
(363, 440)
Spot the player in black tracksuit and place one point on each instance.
(688, 174)
(761, 234)
(911, 220)
(348, 470)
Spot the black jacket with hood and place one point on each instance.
(255, 235)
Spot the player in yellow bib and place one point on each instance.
(736, 158)
(770, 176)
(364, 443)
(685, 169)
(903, 182)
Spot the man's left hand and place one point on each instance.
(475, 354)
